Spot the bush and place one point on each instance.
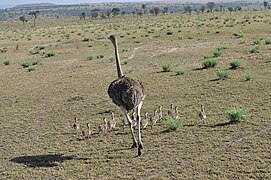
(26, 64)
(248, 76)
(126, 61)
(179, 71)
(167, 67)
(171, 123)
(236, 114)
(255, 49)
(31, 68)
(89, 58)
(221, 47)
(217, 53)
(235, 64)
(238, 34)
(6, 61)
(209, 63)
(222, 74)
(208, 56)
(268, 41)
(50, 54)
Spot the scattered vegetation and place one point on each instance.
(222, 74)
(236, 114)
(238, 34)
(248, 76)
(255, 49)
(209, 63)
(235, 64)
(171, 123)
(179, 71)
(167, 67)
(6, 61)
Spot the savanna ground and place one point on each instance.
(38, 106)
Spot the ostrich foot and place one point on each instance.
(140, 146)
(134, 145)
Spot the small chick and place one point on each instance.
(76, 125)
(202, 114)
(87, 133)
(145, 121)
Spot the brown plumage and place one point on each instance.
(145, 121)
(128, 94)
(154, 118)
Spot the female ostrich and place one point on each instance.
(128, 94)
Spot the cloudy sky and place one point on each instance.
(11, 3)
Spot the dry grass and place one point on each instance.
(37, 108)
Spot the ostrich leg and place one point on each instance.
(131, 128)
(140, 145)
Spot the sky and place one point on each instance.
(11, 3)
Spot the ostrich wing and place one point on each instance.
(126, 92)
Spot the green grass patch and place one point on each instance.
(235, 64)
(236, 114)
(167, 67)
(222, 74)
(171, 123)
(209, 63)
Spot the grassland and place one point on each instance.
(37, 106)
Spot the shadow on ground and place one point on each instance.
(47, 160)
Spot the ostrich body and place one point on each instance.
(128, 94)
(202, 114)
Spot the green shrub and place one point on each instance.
(208, 56)
(268, 41)
(89, 57)
(126, 61)
(171, 123)
(235, 64)
(255, 49)
(236, 114)
(50, 54)
(167, 67)
(6, 61)
(248, 76)
(179, 71)
(217, 53)
(238, 34)
(26, 64)
(221, 47)
(31, 68)
(222, 74)
(209, 63)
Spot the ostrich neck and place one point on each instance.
(119, 70)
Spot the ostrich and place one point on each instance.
(202, 114)
(87, 133)
(112, 123)
(76, 124)
(175, 114)
(160, 115)
(103, 127)
(154, 118)
(145, 121)
(128, 94)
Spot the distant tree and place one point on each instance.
(23, 19)
(165, 10)
(94, 13)
(230, 9)
(115, 11)
(210, 5)
(156, 10)
(104, 15)
(188, 9)
(238, 8)
(108, 13)
(123, 13)
(133, 12)
(139, 12)
(144, 6)
(35, 15)
(202, 9)
(265, 4)
(83, 15)
(220, 8)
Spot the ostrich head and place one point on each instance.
(112, 38)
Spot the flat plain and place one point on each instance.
(71, 64)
